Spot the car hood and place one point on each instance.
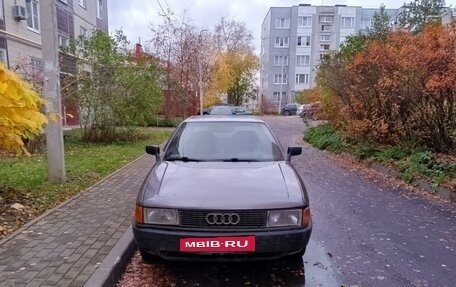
(220, 185)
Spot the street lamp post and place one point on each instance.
(396, 23)
(281, 83)
(54, 130)
(443, 13)
(200, 72)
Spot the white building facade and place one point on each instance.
(294, 39)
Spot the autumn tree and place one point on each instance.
(20, 116)
(185, 55)
(307, 96)
(419, 12)
(233, 74)
(235, 66)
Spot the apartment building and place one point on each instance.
(20, 36)
(294, 39)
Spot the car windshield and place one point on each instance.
(223, 141)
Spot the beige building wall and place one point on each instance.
(85, 17)
(22, 41)
(20, 54)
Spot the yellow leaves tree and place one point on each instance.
(233, 73)
(20, 116)
(234, 65)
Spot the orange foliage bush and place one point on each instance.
(395, 89)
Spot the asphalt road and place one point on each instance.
(369, 230)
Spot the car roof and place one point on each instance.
(214, 118)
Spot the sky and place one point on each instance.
(134, 16)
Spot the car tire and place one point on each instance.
(147, 257)
(287, 113)
(298, 255)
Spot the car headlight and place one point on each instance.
(291, 217)
(161, 216)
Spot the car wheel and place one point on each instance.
(147, 257)
(298, 255)
(287, 113)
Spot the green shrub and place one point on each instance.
(164, 122)
(325, 137)
(366, 150)
(394, 153)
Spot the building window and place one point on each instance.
(324, 47)
(282, 42)
(305, 21)
(36, 65)
(282, 23)
(64, 1)
(348, 22)
(303, 41)
(302, 78)
(63, 42)
(82, 3)
(276, 96)
(325, 38)
(326, 19)
(83, 32)
(280, 60)
(99, 8)
(302, 60)
(33, 17)
(3, 56)
(278, 79)
(326, 28)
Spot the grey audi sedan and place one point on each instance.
(222, 189)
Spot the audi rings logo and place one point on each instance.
(222, 218)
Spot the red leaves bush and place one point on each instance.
(398, 88)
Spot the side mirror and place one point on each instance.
(153, 150)
(295, 150)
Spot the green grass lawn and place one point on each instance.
(411, 160)
(86, 163)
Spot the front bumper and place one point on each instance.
(269, 244)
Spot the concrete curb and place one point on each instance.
(442, 192)
(113, 266)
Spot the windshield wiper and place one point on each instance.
(235, 159)
(184, 159)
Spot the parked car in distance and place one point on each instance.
(207, 111)
(299, 110)
(222, 189)
(221, 111)
(290, 109)
(309, 110)
(241, 111)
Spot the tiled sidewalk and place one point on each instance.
(65, 246)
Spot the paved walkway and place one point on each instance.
(65, 246)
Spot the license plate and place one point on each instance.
(218, 244)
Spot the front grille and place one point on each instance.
(248, 218)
